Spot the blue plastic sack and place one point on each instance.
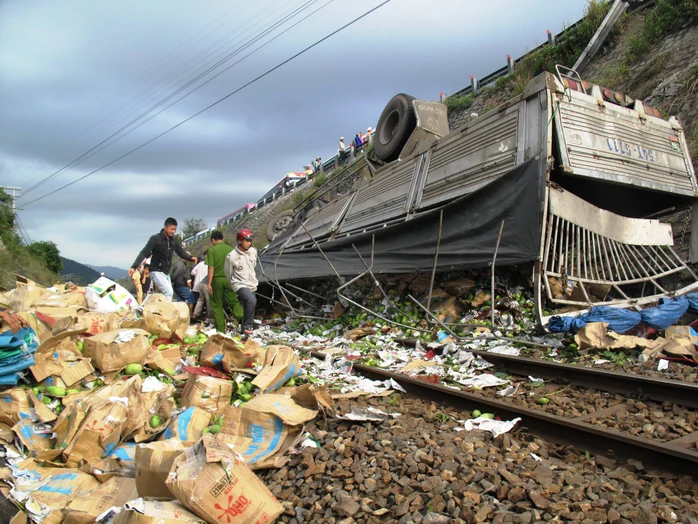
(25, 337)
(10, 380)
(559, 324)
(667, 313)
(692, 302)
(618, 319)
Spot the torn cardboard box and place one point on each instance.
(25, 293)
(106, 296)
(164, 318)
(214, 483)
(116, 491)
(95, 323)
(280, 365)
(114, 350)
(225, 352)
(60, 300)
(208, 393)
(188, 425)
(153, 463)
(265, 428)
(13, 402)
(154, 511)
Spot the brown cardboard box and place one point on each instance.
(155, 511)
(95, 323)
(280, 365)
(60, 300)
(164, 318)
(25, 292)
(277, 420)
(188, 425)
(13, 401)
(222, 351)
(208, 393)
(153, 463)
(210, 480)
(114, 492)
(110, 355)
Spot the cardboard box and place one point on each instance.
(25, 292)
(188, 425)
(208, 393)
(95, 323)
(116, 491)
(214, 483)
(60, 300)
(109, 354)
(13, 401)
(154, 511)
(280, 365)
(153, 463)
(165, 319)
(264, 429)
(224, 352)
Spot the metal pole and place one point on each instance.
(436, 259)
(494, 259)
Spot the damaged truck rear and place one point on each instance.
(580, 176)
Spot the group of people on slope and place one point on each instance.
(225, 277)
(359, 141)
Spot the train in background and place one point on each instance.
(235, 215)
(283, 186)
(201, 234)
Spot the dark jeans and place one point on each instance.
(184, 294)
(248, 300)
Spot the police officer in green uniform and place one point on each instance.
(219, 287)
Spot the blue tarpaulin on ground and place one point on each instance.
(16, 354)
(620, 320)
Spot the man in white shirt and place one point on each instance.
(240, 267)
(200, 274)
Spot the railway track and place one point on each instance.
(586, 431)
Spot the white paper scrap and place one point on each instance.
(484, 381)
(505, 350)
(662, 364)
(495, 427)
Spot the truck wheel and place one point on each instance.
(395, 125)
(279, 223)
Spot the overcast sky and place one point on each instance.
(74, 72)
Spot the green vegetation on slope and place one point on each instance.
(16, 258)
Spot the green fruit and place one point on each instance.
(56, 391)
(169, 371)
(35, 390)
(543, 401)
(46, 400)
(155, 421)
(291, 383)
(477, 413)
(206, 430)
(214, 429)
(133, 369)
(80, 345)
(246, 397)
(487, 415)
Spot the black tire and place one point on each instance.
(279, 223)
(394, 127)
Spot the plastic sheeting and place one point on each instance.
(16, 354)
(469, 235)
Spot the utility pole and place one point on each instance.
(14, 192)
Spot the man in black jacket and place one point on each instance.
(160, 248)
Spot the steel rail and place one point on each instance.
(657, 389)
(581, 435)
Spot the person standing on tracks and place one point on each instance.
(160, 248)
(369, 136)
(240, 267)
(219, 289)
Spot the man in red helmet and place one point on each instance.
(240, 267)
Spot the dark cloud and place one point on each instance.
(73, 72)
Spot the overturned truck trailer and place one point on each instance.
(580, 176)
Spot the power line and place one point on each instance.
(256, 79)
(86, 155)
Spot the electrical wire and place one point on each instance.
(220, 19)
(87, 154)
(254, 80)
